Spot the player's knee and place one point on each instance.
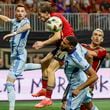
(10, 82)
(11, 78)
(49, 71)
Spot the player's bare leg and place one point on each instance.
(45, 63)
(52, 68)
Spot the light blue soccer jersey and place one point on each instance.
(18, 44)
(75, 65)
(20, 39)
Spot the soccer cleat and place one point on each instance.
(43, 103)
(42, 92)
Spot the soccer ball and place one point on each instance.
(54, 24)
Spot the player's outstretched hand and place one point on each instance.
(37, 45)
(6, 37)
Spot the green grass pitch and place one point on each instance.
(29, 105)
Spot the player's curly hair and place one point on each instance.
(72, 40)
(46, 7)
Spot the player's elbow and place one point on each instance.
(28, 27)
(95, 77)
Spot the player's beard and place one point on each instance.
(63, 49)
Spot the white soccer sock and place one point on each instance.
(32, 66)
(11, 95)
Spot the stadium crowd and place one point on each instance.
(67, 6)
(83, 6)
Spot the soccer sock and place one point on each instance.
(49, 91)
(44, 82)
(32, 66)
(11, 95)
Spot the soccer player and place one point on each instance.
(54, 60)
(18, 38)
(98, 55)
(99, 52)
(95, 46)
(76, 68)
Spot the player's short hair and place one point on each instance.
(72, 40)
(20, 5)
(45, 7)
(100, 30)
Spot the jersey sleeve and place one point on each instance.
(24, 22)
(80, 61)
(84, 50)
(13, 20)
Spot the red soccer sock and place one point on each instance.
(49, 93)
(44, 83)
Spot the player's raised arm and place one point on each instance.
(5, 18)
(39, 44)
(20, 30)
(24, 28)
(54, 38)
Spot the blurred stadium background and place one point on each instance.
(85, 16)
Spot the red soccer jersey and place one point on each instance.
(67, 28)
(101, 53)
